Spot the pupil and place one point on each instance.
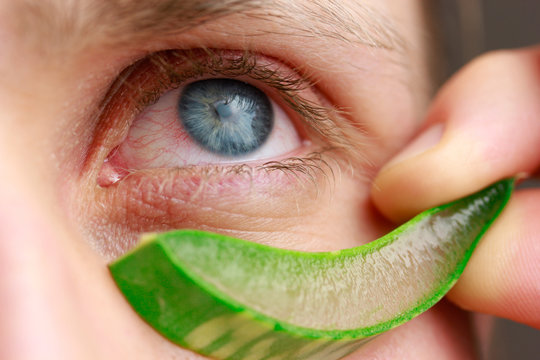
(223, 110)
(228, 117)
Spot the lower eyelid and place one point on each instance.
(113, 169)
(182, 197)
(222, 181)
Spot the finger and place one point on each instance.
(503, 275)
(483, 126)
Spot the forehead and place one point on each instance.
(63, 22)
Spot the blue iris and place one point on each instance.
(226, 116)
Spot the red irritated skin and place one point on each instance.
(350, 92)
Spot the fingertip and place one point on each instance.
(400, 183)
(425, 141)
(402, 189)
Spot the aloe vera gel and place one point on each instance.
(232, 299)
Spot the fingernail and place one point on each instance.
(419, 145)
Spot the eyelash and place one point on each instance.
(167, 70)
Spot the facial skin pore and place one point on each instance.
(68, 101)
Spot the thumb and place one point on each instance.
(483, 126)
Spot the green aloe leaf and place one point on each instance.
(237, 300)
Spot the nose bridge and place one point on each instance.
(38, 292)
(57, 299)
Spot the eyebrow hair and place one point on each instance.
(77, 23)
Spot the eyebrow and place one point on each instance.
(60, 23)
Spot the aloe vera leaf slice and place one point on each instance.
(233, 299)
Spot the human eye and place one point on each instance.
(185, 118)
(208, 119)
(187, 130)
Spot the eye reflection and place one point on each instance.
(228, 117)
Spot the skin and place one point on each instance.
(59, 228)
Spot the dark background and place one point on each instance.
(476, 26)
(473, 27)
